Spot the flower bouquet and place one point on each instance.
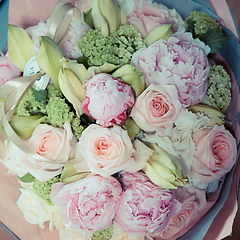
(119, 119)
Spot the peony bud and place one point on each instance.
(70, 174)
(107, 15)
(161, 32)
(24, 126)
(72, 89)
(132, 76)
(214, 115)
(49, 58)
(163, 169)
(20, 46)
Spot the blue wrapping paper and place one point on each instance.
(3, 22)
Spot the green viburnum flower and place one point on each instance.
(219, 88)
(103, 234)
(203, 22)
(43, 189)
(117, 49)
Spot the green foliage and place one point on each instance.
(27, 178)
(219, 85)
(214, 39)
(117, 49)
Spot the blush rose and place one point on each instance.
(216, 153)
(157, 107)
(192, 200)
(54, 144)
(106, 151)
(145, 17)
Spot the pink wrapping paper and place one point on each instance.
(11, 215)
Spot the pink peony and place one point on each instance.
(90, 203)
(216, 153)
(145, 17)
(8, 70)
(106, 151)
(143, 207)
(107, 99)
(83, 5)
(192, 200)
(181, 61)
(69, 47)
(54, 144)
(156, 107)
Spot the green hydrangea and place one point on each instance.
(117, 49)
(58, 111)
(203, 22)
(43, 189)
(219, 88)
(30, 106)
(105, 234)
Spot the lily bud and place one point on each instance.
(78, 69)
(20, 46)
(164, 170)
(107, 15)
(105, 68)
(214, 115)
(132, 76)
(24, 126)
(49, 58)
(72, 89)
(70, 174)
(161, 32)
(132, 128)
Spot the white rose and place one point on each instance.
(34, 208)
(13, 154)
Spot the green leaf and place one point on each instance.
(191, 25)
(40, 96)
(214, 39)
(88, 18)
(27, 178)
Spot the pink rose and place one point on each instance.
(54, 144)
(215, 155)
(143, 207)
(90, 203)
(192, 200)
(106, 151)
(107, 99)
(145, 17)
(181, 61)
(156, 107)
(8, 70)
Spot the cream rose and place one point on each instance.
(54, 144)
(216, 153)
(106, 151)
(156, 108)
(34, 208)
